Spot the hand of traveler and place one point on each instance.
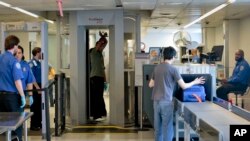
(105, 86)
(31, 100)
(23, 101)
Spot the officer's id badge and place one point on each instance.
(34, 62)
(24, 69)
(31, 65)
(18, 66)
(241, 68)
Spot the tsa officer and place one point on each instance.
(12, 98)
(35, 65)
(239, 79)
(29, 78)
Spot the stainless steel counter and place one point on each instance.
(210, 121)
(10, 121)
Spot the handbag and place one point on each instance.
(196, 93)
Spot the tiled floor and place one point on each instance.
(246, 99)
(140, 136)
(137, 136)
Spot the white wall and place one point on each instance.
(233, 39)
(208, 36)
(165, 39)
(219, 37)
(244, 40)
(26, 37)
(219, 40)
(52, 51)
(24, 42)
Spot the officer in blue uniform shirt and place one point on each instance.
(12, 98)
(35, 65)
(29, 78)
(239, 79)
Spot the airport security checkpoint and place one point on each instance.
(125, 70)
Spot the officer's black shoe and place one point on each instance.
(35, 128)
(15, 139)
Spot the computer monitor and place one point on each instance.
(216, 53)
(155, 55)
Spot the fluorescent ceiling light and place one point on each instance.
(231, 1)
(49, 21)
(174, 3)
(5, 4)
(25, 12)
(210, 13)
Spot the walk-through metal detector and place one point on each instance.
(80, 21)
(92, 35)
(42, 28)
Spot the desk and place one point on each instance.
(10, 121)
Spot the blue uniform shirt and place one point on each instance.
(241, 73)
(10, 71)
(27, 73)
(36, 69)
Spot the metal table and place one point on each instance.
(187, 111)
(210, 120)
(10, 121)
(2, 130)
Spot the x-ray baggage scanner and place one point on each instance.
(205, 119)
(189, 72)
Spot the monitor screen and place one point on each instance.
(155, 55)
(216, 53)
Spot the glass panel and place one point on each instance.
(129, 57)
(65, 52)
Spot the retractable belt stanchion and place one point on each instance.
(60, 116)
(46, 114)
(62, 101)
(56, 106)
(45, 109)
(44, 132)
(48, 137)
(141, 110)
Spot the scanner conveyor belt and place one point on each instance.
(209, 117)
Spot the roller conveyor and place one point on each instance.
(210, 121)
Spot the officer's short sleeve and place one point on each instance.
(30, 77)
(17, 71)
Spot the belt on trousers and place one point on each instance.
(5, 92)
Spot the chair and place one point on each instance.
(241, 93)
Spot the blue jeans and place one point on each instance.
(163, 121)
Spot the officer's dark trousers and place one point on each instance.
(36, 119)
(11, 103)
(97, 109)
(223, 91)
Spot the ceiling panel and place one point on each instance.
(162, 13)
(51, 5)
(139, 4)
